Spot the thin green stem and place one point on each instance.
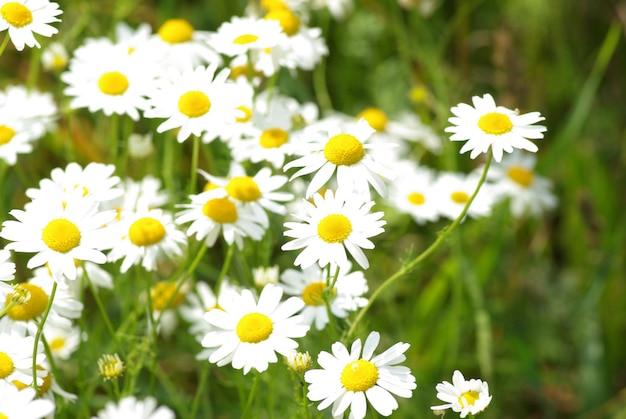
(251, 395)
(305, 400)
(224, 271)
(33, 68)
(194, 164)
(5, 41)
(7, 308)
(422, 256)
(103, 311)
(44, 317)
(114, 138)
(200, 390)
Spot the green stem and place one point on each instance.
(152, 331)
(305, 400)
(224, 271)
(33, 68)
(194, 165)
(114, 138)
(422, 256)
(199, 392)
(40, 331)
(7, 308)
(103, 311)
(5, 41)
(246, 409)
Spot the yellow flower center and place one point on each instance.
(273, 138)
(16, 14)
(312, 294)
(6, 134)
(42, 389)
(344, 149)
(221, 210)
(61, 235)
(162, 293)
(459, 197)
(273, 4)
(521, 175)
(31, 309)
(110, 366)
(194, 104)
(247, 114)
(245, 39)
(416, 198)
(6, 365)
(254, 328)
(57, 344)
(468, 397)
(495, 123)
(375, 117)
(334, 228)
(146, 231)
(209, 186)
(113, 83)
(288, 21)
(243, 70)
(244, 189)
(359, 375)
(176, 31)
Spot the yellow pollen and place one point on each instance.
(416, 198)
(247, 112)
(221, 210)
(254, 328)
(521, 175)
(57, 344)
(334, 228)
(113, 83)
(16, 14)
(33, 308)
(176, 31)
(6, 134)
(359, 375)
(495, 123)
(245, 39)
(194, 104)
(162, 293)
(6, 365)
(288, 21)
(344, 150)
(459, 197)
(312, 294)
(273, 138)
(375, 117)
(146, 231)
(61, 235)
(468, 397)
(243, 189)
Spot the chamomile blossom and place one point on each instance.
(63, 341)
(248, 332)
(413, 192)
(54, 57)
(466, 397)
(346, 153)
(243, 34)
(487, 125)
(36, 109)
(185, 46)
(334, 223)
(16, 357)
(131, 407)
(23, 403)
(24, 18)
(15, 139)
(453, 191)
(348, 378)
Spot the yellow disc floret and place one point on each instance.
(6, 134)
(254, 328)
(6, 365)
(416, 198)
(344, 150)
(113, 83)
(176, 31)
(221, 210)
(146, 231)
(33, 308)
(360, 375)
(312, 294)
(521, 175)
(243, 189)
(495, 123)
(459, 197)
(194, 104)
(16, 14)
(163, 293)
(468, 398)
(375, 117)
(334, 228)
(245, 39)
(273, 138)
(247, 114)
(61, 235)
(287, 19)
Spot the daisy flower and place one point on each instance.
(16, 357)
(59, 233)
(15, 138)
(37, 110)
(184, 45)
(413, 192)
(310, 285)
(334, 223)
(196, 101)
(54, 57)
(243, 34)
(514, 178)
(23, 18)
(488, 125)
(63, 341)
(131, 407)
(146, 237)
(212, 212)
(453, 190)
(348, 378)
(146, 191)
(346, 153)
(248, 333)
(23, 403)
(467, 397)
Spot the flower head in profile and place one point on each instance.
(348, 378)
(467, 397)
(131, 407)
(24, 18)
(487, 125)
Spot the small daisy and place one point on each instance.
(38, 110)
(453, 190)
(23, 403)
(248, 333)
(212, 212)
(346, 153)
(487, 125)
(16, 357)
(59, 233)
(15, 138)
(63, 341)
(413, 192)
(333, 224)
(145, 237)
(311, 285)
(54, 57)
(348, 378)
(243, 34)
(131, 407)
(467, 397)
(184, 45)
(196, 101)
(23, 18)
(111, 366)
